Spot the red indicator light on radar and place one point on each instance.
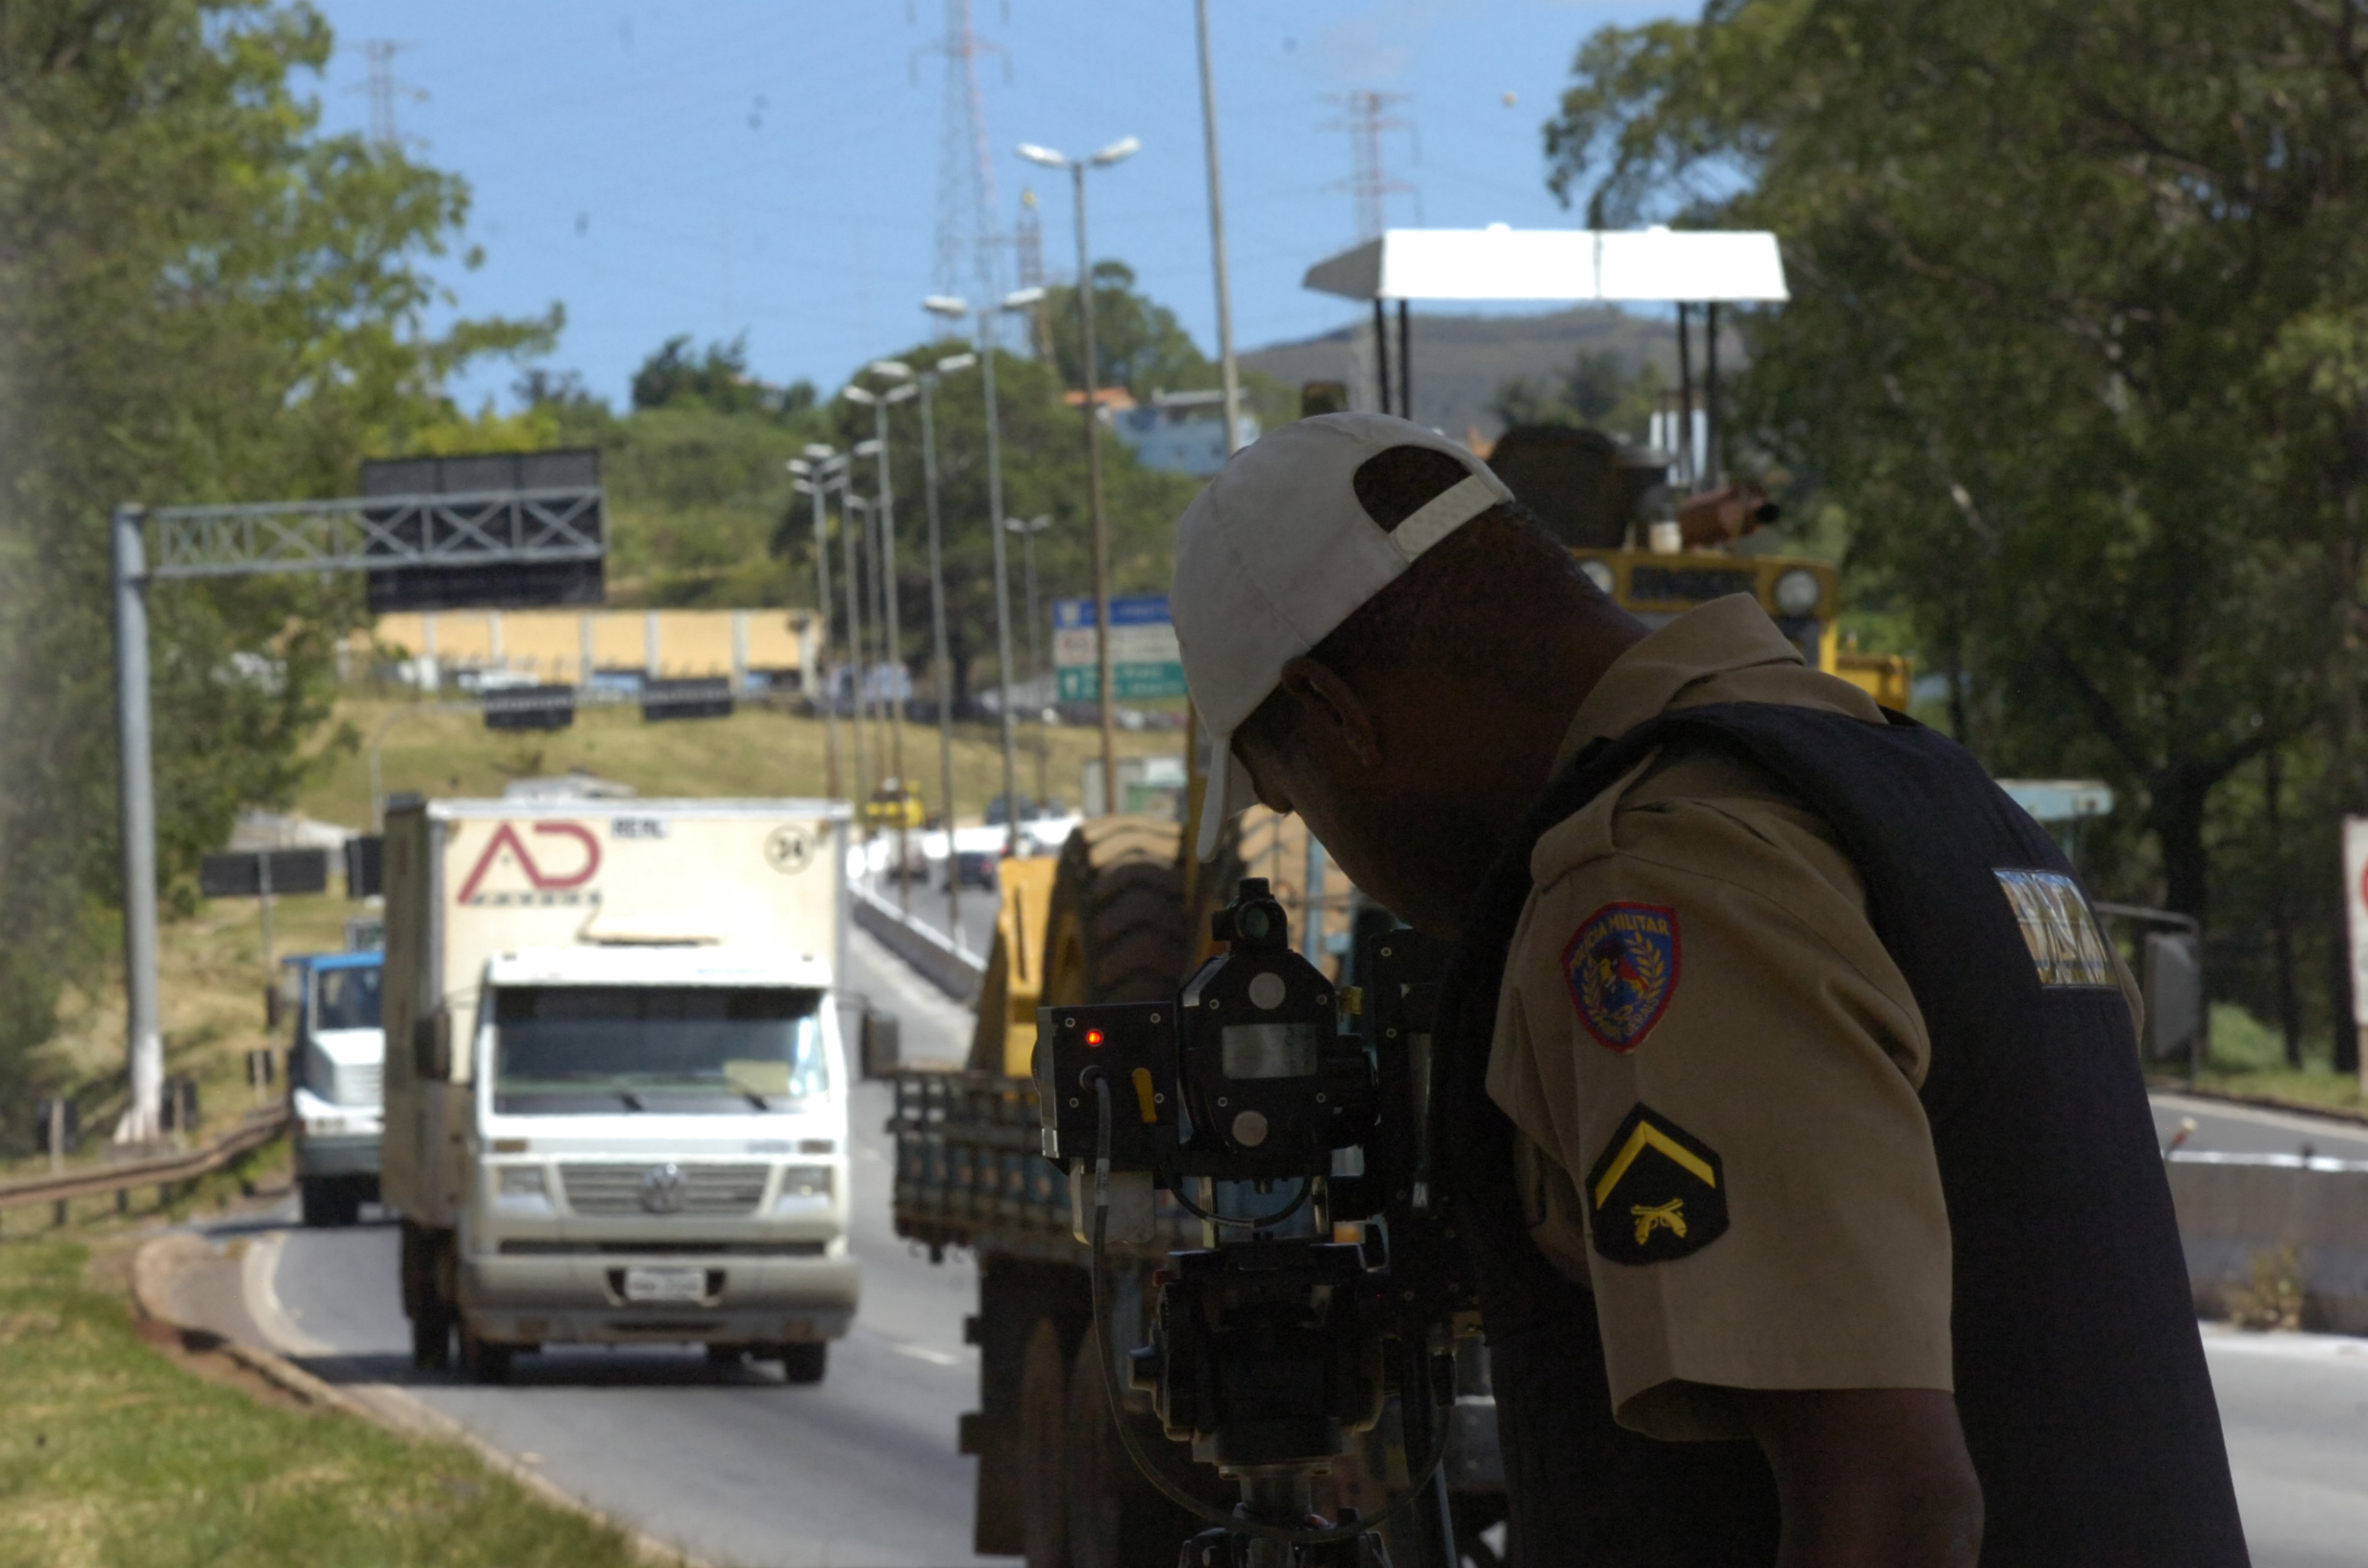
(1093, 1036)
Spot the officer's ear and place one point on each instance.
(1334, 721)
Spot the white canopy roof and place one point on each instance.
(1500, 263)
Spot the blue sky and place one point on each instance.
(771, 166)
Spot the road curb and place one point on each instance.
(395, 1410)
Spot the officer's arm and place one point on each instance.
(1873, 1477)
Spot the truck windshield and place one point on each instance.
(667, 1050)
(346, 998)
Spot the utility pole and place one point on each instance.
(1076, 167)
(1229, 372)
(136, 785)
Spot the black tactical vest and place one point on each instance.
(2081, 1380)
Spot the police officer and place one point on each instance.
(1793, 1104)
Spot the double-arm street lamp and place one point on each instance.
(813, 476)
(983, 316)
(1115, 152)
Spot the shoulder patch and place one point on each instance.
(1623, 968)
(1657, 1193)
(2067, 947)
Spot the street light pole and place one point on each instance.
(1076, 167)
(143, 1034)
(814, 481)
(947, 306)
(859, 787)
(944, 674)
(1027, 532)
(1229, 372)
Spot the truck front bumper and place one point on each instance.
(578, 1298)
(337, 1154)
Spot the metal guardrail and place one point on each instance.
(258, 1129)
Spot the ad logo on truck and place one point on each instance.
(545, 886)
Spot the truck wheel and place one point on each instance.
(1116, 1517)
(482, 1361)
(1044, 1430)
(424, 1299)
(1117, 930)
(317, 1201)
(805, 1362)
(345, 1201)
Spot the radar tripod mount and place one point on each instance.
(1274, 1345)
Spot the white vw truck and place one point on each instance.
(616, 1098)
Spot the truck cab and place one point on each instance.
(618, 1104)
(336, 1063)
(658, 1131)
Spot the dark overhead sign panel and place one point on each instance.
(464, 529)
(703, 697)
(529, 708)
(239, 873)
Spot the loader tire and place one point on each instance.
(1117, 930)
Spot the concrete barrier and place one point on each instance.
(2236, 1207)
(931, 953)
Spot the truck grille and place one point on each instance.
(647, 1188)
(357, 1085)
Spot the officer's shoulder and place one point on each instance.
(1693, 808)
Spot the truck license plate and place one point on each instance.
(647, 1284)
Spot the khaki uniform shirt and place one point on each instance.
(1694, 972)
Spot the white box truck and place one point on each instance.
(616, 1096)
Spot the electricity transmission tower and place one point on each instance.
(1366, 117)
(965, 166)
(385, 92)
(1027, 246)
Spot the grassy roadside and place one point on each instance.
(753, 752)
(113, 1456)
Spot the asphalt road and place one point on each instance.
(736, 1467)
(861, 1471)
(2242, 1129)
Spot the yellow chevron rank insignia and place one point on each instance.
(1657, 1193)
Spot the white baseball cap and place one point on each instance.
(1277, 552)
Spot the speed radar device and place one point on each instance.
(1243, 1099)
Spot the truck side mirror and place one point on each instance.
(271, 1008)
(883, 1044)
(432, 1047)
(2173, 983)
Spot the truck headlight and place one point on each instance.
(1798, 592)
(804, 1185)
(522, 1182)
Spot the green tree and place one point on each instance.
(2078, 344)
(716, 379)
(202, 299)
(1044, 472)
(1138, 343)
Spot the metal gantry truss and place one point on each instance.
(377, 533)
(368, 534)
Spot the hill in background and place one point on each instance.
(1460, 360)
